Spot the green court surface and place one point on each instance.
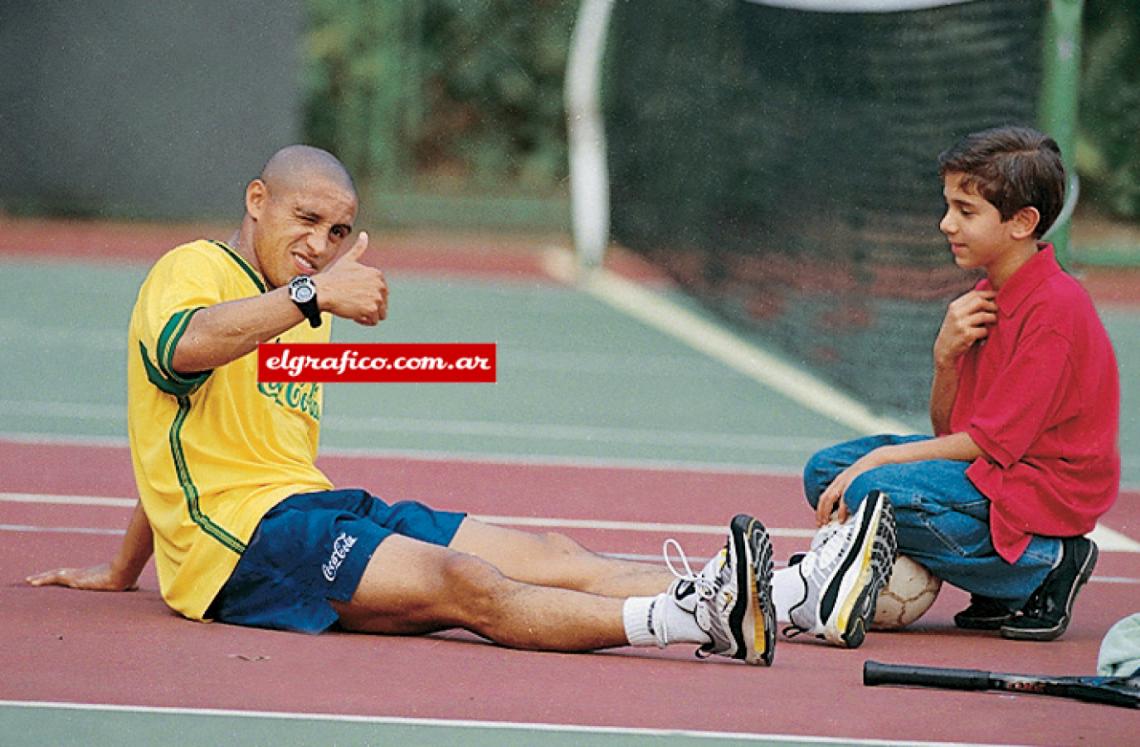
(576, 379)
(57, 726)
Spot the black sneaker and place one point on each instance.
(1047, 613)
(984, 613)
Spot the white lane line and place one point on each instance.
(68, 500)
(483, 428)
(745, 357)
(27, 528)
(474, 457)
(700, 560)
(489, 458)
(520, 521)
(1109, 540)
(469, 724)
(24, 438)
(588, 434)
(627, 526)
(1112, 540)
(639, 557)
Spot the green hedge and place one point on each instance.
(441, 95)
(1109, 148)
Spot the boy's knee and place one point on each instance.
(862, 485)
(818, 473)
(826, 464)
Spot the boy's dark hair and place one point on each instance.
(1011, 168)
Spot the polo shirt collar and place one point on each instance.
(1037, 270)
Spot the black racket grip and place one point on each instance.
(878, 673)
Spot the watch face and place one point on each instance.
(301, 290)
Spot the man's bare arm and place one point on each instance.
(121, 574)
(222, 333)
(219, 334)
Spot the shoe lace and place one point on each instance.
(706, 589)
(825, 533)
(1037, 605)
(831, 545)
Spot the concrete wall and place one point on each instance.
(140, 108)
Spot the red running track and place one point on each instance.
(129, 649)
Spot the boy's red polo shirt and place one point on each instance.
(1040, 395)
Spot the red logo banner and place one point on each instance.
(418, 362)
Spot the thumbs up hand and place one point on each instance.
(352, 290)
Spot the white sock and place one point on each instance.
(659, 621)
(635, 615)
(787, 591)
(674, 624)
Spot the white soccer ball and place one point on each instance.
(909, 594)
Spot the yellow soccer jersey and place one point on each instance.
(212, 452)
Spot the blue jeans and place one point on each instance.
(943, 521)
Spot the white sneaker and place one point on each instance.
(844, 575)
(684, 590)
(731, 598)
(822, 535)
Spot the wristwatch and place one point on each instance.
(303, 292)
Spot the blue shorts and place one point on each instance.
(314, 547)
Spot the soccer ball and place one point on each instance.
(909, 594)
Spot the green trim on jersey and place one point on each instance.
(156, 377)
(177, 388)
(168, 341)
(189, 490)
(242, 264)
(163, 375)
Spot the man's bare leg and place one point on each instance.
(552, 559)
(410, 587)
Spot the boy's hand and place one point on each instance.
(96, 578)
(352, 290)
(831, 499)
(967, 320)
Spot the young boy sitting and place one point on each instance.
(1025, 406)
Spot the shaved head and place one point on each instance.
(295, 165)
(297, 214)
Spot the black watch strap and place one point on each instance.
(303, 292)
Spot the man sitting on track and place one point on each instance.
(247, 530)
(1025, 406)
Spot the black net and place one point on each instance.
(781, 165)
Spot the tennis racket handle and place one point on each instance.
(878, 673)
